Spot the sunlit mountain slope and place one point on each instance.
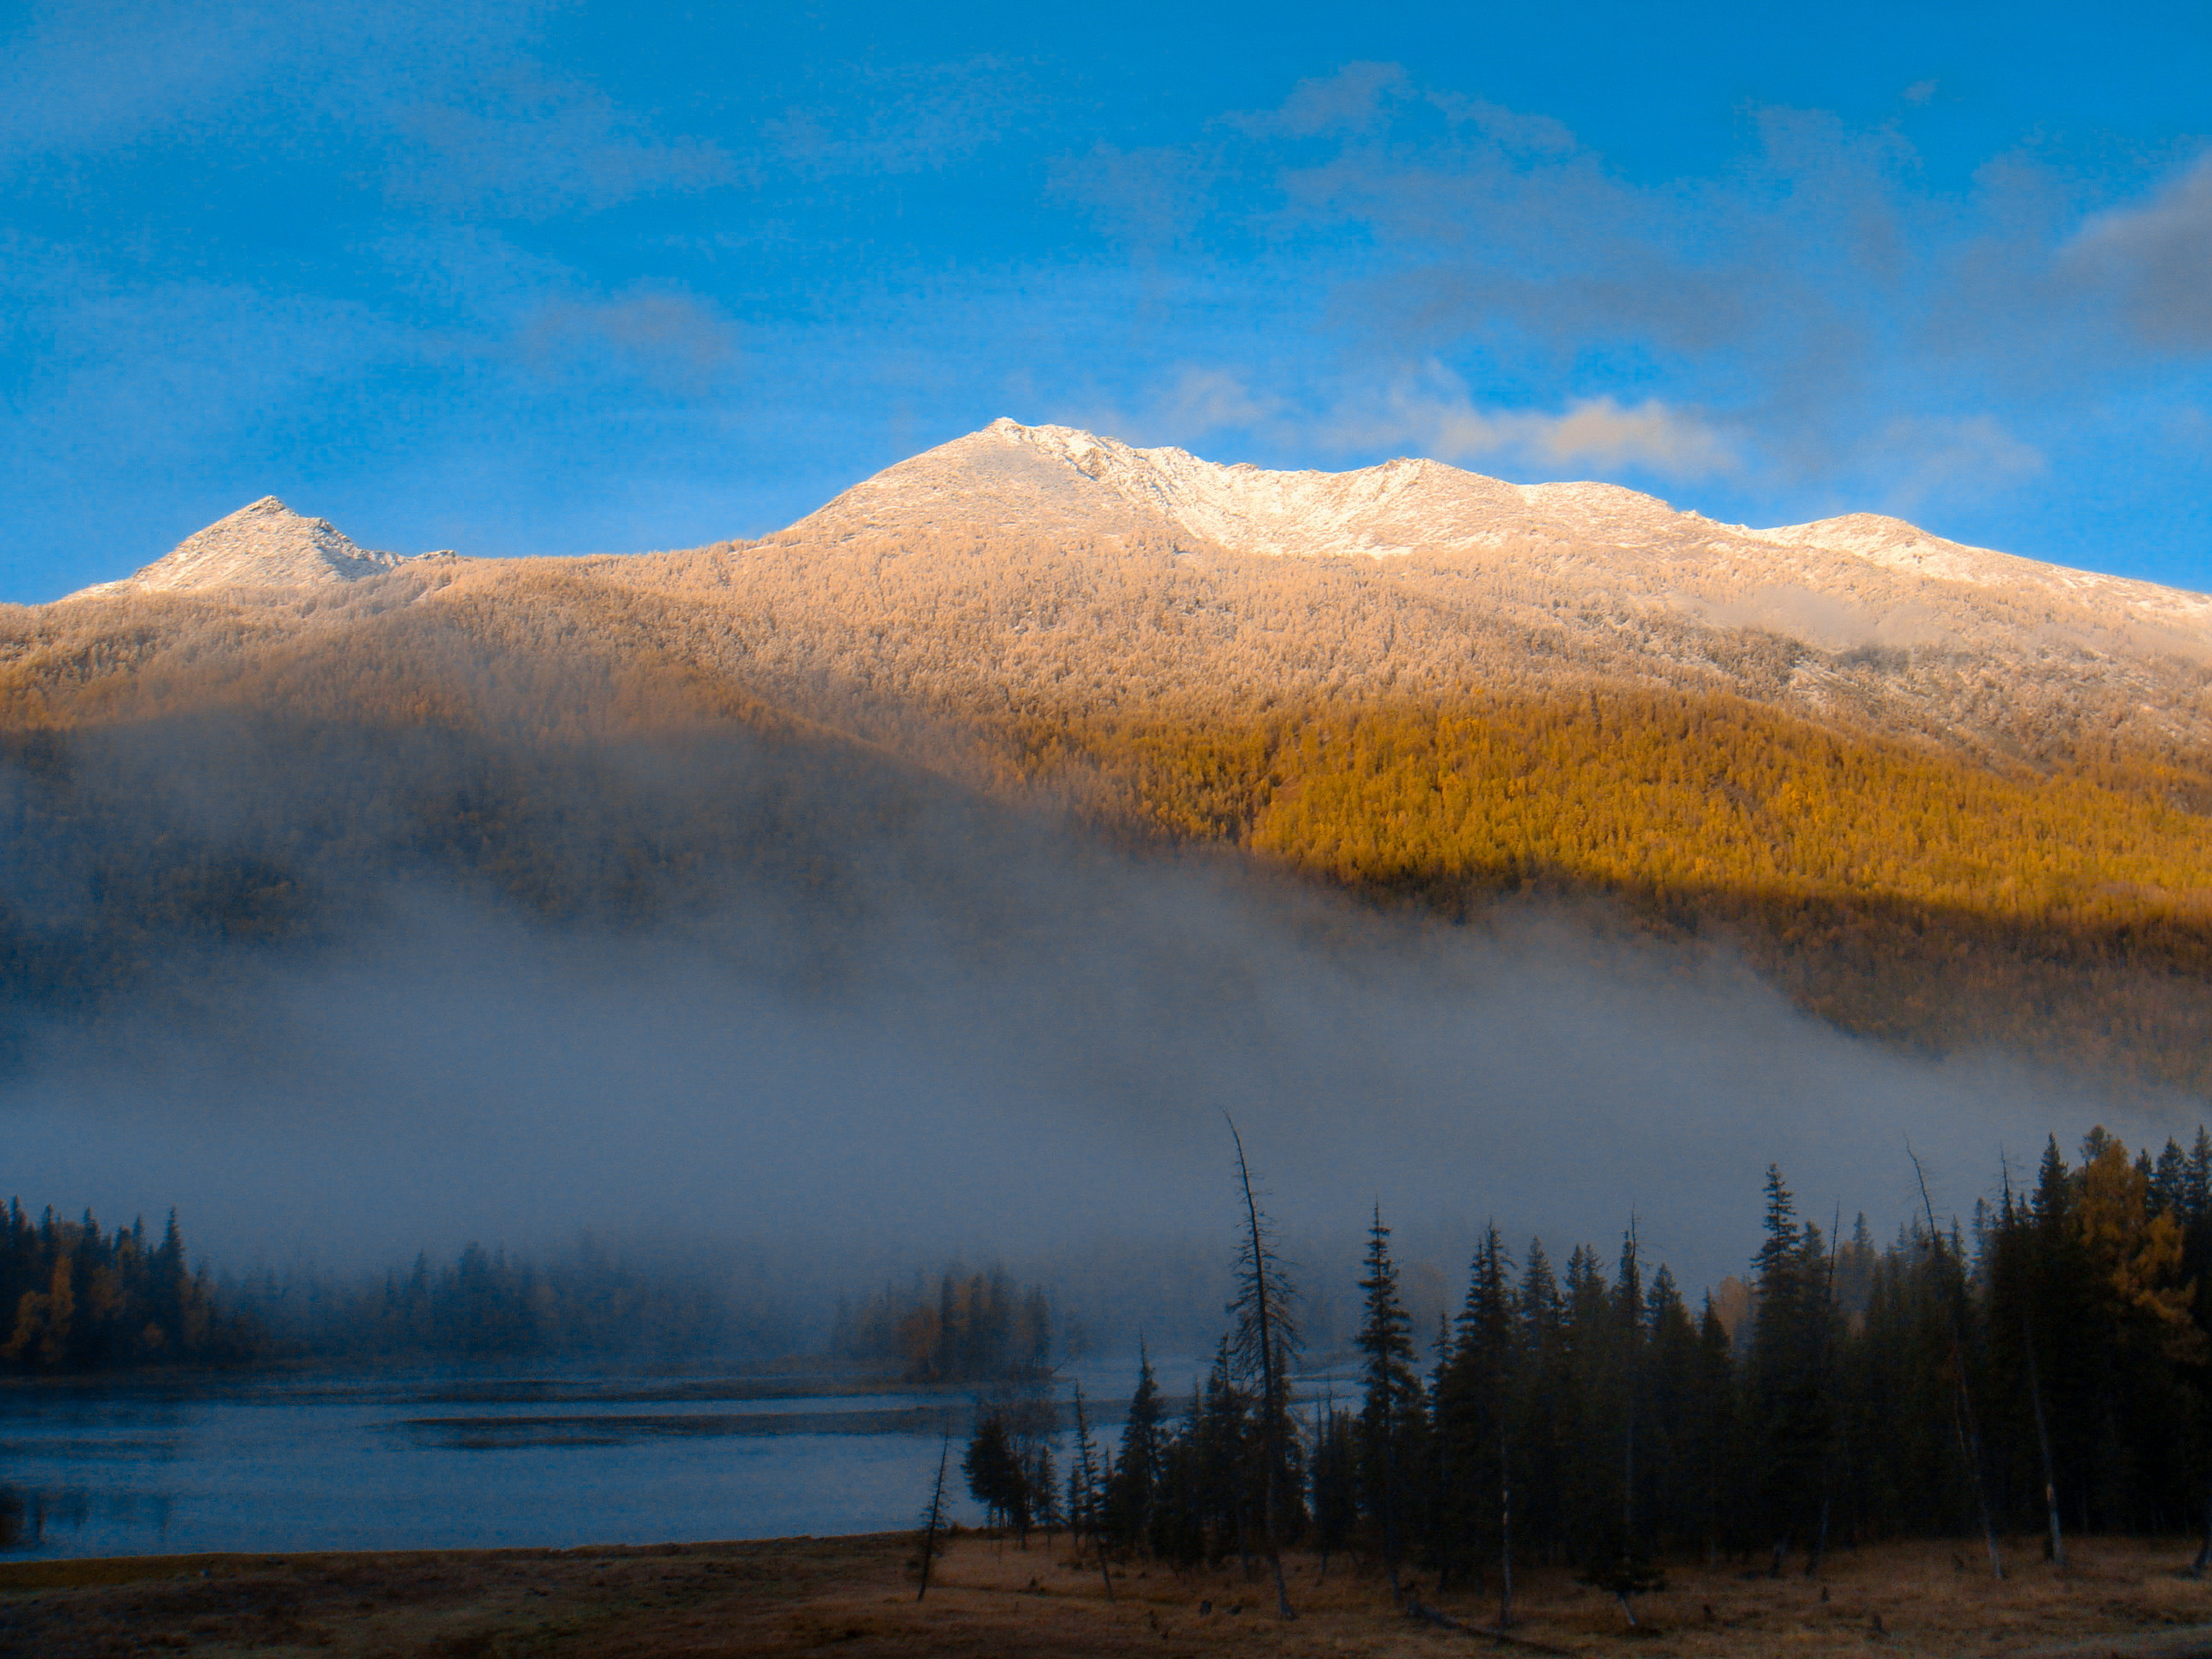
(1941, 795)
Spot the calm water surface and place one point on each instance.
(436, 1459)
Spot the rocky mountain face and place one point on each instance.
(263, 545)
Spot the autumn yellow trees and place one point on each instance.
(1896, 890)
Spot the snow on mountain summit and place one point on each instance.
(263, 545)
(1375, 512)
(1844, 583)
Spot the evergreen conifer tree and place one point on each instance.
(1389, 1402)
(1134, 1487)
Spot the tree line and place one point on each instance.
(487, 1303)
(2043, 1368)
(972, 1327)
(75, 1299)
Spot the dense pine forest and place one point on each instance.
(2045, 1370)
(73, 1299)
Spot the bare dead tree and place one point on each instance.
(934, 1518)
(1265, 1337)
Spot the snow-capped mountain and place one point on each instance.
(1858, 579)
(263, 545)
(1035, 567)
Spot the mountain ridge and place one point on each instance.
(263, 544)
(1045, 567)
(1984, 826)
(1230, 503)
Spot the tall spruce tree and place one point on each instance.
(1389, 1402)
(1473, 1420)
(1790, 1416)
(1135, 1488)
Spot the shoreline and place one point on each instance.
(990, 1595)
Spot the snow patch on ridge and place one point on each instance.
(1415, 506)
(1304, 515)
(263, 545)
(1894, 544)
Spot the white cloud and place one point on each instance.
(1435, 415)
(1196, 405)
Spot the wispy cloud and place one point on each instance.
(912, 120)
(1353, 99)
(2155, 259)
(1194, 405)
(1818, 319)
(669, 342)
(1434, 415)
(530, 148)
(1147, 200)
(449, 105)
(1967, 460)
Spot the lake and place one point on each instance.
(454, 1459)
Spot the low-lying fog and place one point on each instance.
(993, 1040)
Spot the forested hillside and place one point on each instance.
(1892, 890)
(2049, 890)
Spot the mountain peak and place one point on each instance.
(263, 544)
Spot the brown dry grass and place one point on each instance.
(855, 1596)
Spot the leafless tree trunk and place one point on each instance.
(935, 1519)
(1271, 1382)
(1086, 1465)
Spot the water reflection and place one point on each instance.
(17, 1524)
(454, 1459)
(31, 1517)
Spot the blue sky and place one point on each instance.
(528, 278)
